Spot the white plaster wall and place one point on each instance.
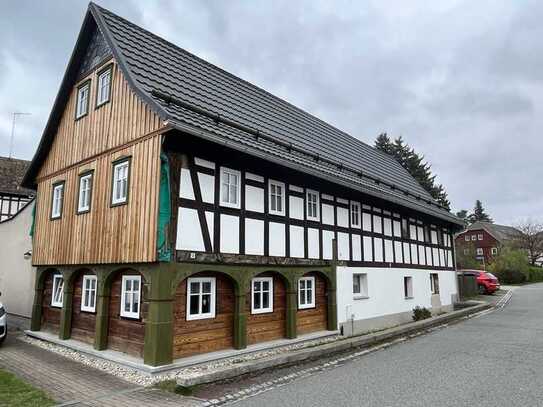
(343, 246)
(296, 208)
(386, 291)
(313, 243)
(229, 234)
(277, 239)
(207, 186)
(185, 187)
(254, 198)
(16, 273)
(297, 246)
(342, 217)
(254, 236)
(189, 232)
(327, 214)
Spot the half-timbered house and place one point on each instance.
(182, 210)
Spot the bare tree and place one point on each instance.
(530, 239)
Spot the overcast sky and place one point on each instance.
(460, 81)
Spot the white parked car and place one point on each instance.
(3, 323)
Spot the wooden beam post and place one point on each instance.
(240, 317)
(65, 329)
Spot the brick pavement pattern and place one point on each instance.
(72, 383)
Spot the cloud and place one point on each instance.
(460, 81)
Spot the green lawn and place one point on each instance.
(15, 392)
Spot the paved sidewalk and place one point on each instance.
(72, 383)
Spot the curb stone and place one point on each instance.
(364, 341)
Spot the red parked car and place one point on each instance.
(487, 282)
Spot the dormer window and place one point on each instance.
(104, 87)
(82, 106)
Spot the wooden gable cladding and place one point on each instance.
(105, 234)
(123, 119)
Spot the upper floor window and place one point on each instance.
(277, 198)
(262, 295)
(494, 251)
(104, 87)
(85, 190)
(312, 205)
(130, 296)
(466, 238)
(480, 251)
(306, 292)
(474, 237)
(480, 236)
(200, 298)
(82, 106)
(355, 214)
(230, 187)
(58, 196)
(119, 194)
(57, 295)
(88, 294)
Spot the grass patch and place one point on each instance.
(173, 387)
(15, 392)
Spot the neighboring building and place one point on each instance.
(182, 210)
(13, 197)
(483, 240)
(16, 272)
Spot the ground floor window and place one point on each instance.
(58, 291)
(262, 295)
(360, 285)
(306, 292)
(200, 298)
(88, 294)
(408, 287)
(434, 283)
(130, 297)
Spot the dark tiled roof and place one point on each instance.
(12, 171)
(215, 105)
(500, 232)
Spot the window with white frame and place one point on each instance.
(58, 291)
(58, 196)
(306, 292)
(434, 283)
(120, 182)
(479, 251)
(355, 214)
(262, 295)
(230, 187)
(88, 294)
(131, 297)
(104, 87)
(312, 198)
(360, 285)
(200, 298)
(408, 287)
(85, 187)
(276, 192)
(473, 237)
(494, 251)
(82, 106)
(480, 236)
(466, 238)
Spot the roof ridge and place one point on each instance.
(259, 88)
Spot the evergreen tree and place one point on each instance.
(479, 214)
(415, 165)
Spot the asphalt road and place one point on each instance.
(492, 360)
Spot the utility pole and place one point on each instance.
(15, 115)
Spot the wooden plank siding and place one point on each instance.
(50, 317)
(105, 234)
(123, 119)
(125, 334)
(204, 335)
(83, 322)
(271, 325)
(314, 319)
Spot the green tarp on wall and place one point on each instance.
(164, 251)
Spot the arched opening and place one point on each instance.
(127, 311)
(203, 314)
(266, 308)
(84, 302)
(312, 314)
(52, 299)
